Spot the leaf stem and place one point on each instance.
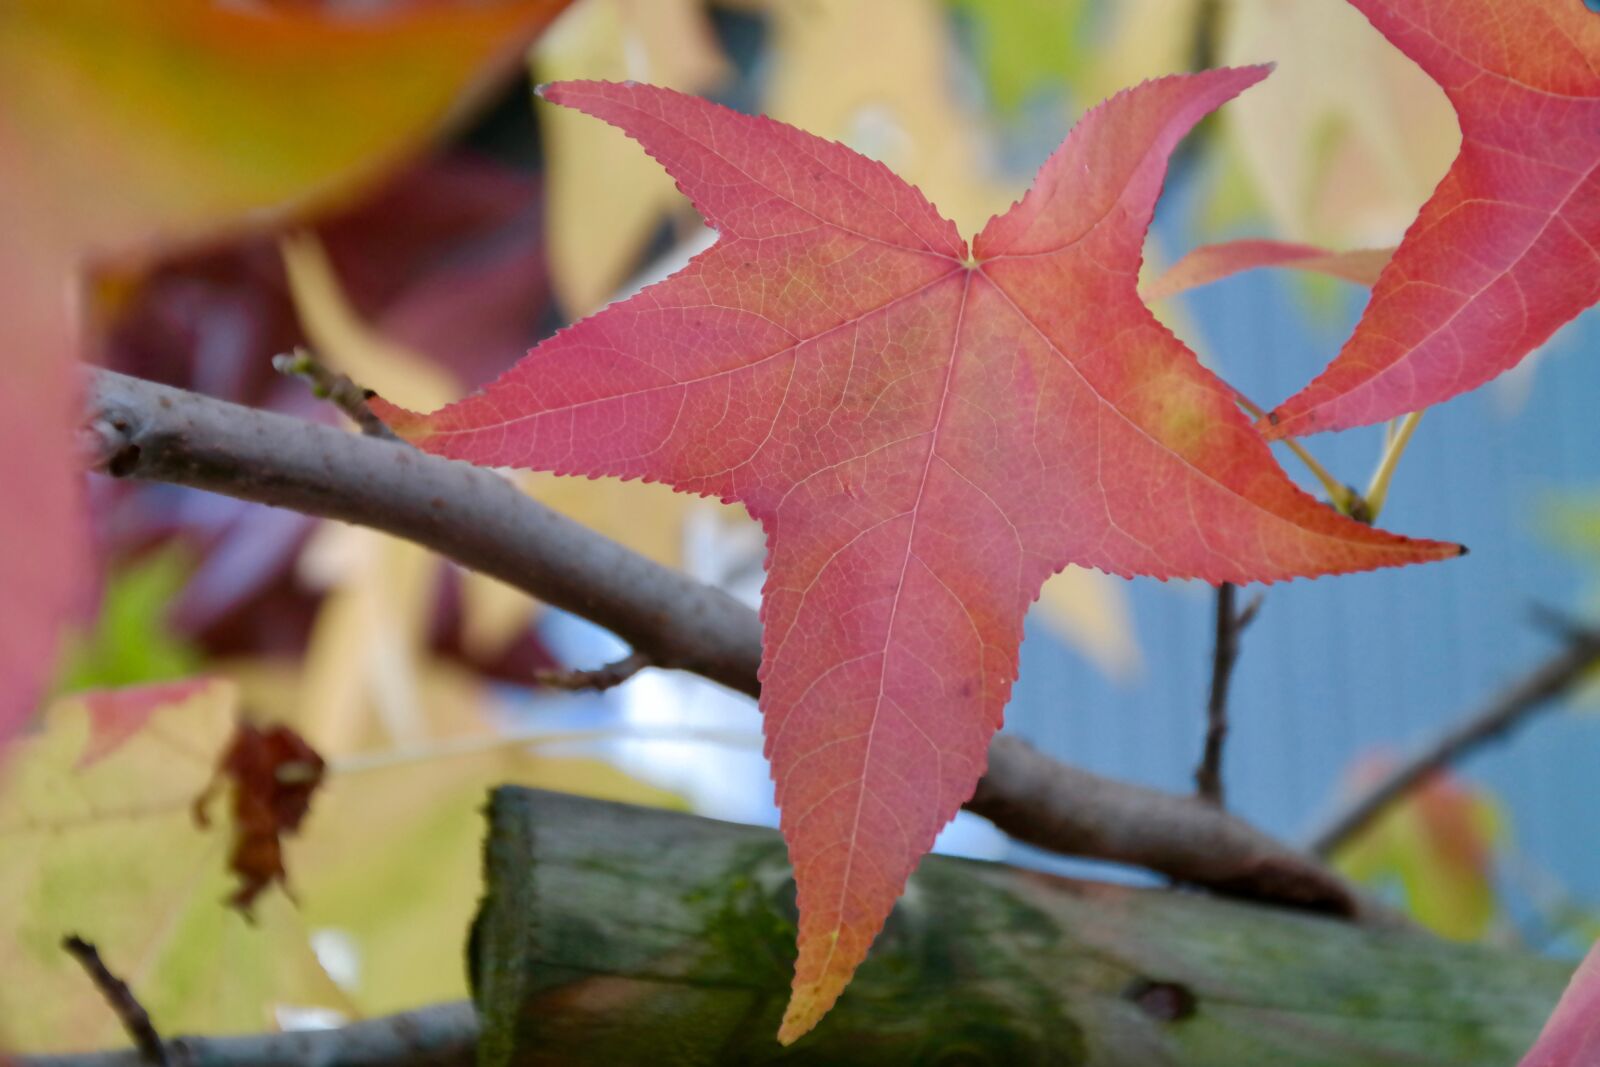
(1339, 495)
(345, 394)
(1394, 447)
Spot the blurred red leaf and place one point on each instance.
(1212, 263)
(117, 714)
(1571, 1037)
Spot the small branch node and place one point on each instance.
(343, 393)
(597, 680)
(1248, 615)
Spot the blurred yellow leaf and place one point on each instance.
(1089, 610)
(1089, 49)
(1348, 137)
(1140, 39)
(97, 838)
(369, 632)
(876, 76)
(606, 197)
(362, 657)
(388, 868)
(346, 342)
(397, 590)
(1438, 844)
(109, 850)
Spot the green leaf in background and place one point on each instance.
(1025, 47)
(1573, 523)
(130, 641)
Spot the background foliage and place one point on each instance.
(437, 270)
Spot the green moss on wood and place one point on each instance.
(612, 934)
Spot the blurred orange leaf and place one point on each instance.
(1438, 844)
(125, 123)
(144, 121)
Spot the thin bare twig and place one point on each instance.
(443, 1035)
(345, 394)
(599, 679)
(1231, 622)
(1537, 689)
(135, 1020)
(475, 517)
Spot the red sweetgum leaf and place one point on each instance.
(124, 122)
(926, 434)
(1212, 263)
(1508, 248)
(1571, 1036)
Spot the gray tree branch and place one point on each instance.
(441, 1035)
(138, 429)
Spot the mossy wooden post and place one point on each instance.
(619, 935)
